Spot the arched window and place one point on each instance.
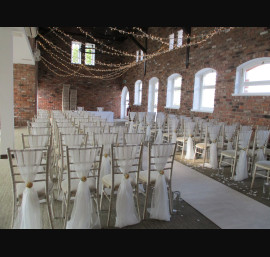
(253, 77)
(174, 91)
(204, 90)
(138, 93)
(124, 102)
(153, 94)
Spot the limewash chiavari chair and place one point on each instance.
(90, 131)
(210, 144)
(40, 131)
(123, 181)
(257, 153)
(31, 184)
(82, 124)
(159, 126)
(158, 178)
(70, 140)
(82, 183)
(141, 122)
(105, 140)
(132, 116)
(237, 158)
(120, 130)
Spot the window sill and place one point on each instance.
(208, 111)
(252, 94)
(171, 107)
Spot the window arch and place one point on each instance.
(153, 94)
(253, 77)
(138, 93)
(204, 90)
(174, 91)
(124, 102)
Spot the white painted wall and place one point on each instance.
(6, 89)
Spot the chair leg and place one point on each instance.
(49, 211)
(170, 199)
(204, 156)
(137, 199)
(195, 152)
(110, 208)
(145, 201)
(101, 197)
(253, 176)
(234, 166)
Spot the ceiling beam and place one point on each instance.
(138, 43)
(187, 30)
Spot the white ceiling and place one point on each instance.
(22, 52)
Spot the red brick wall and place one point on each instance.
(91, 93)
(24, 93)
(224, 52)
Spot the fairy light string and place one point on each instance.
(120, 68)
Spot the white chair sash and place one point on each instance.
(190, 148)
(134, 138)
(105, 140)
(38, 141)
(84, 213)
(229, 132)
(149, 120)
(126, 213)
(174, 123)
(29, 215)
(241, 166)
(141, 116)
(160, 201)
(39, 130)
(73, 140)
(261, 137)
(160, 121)
(213, 135)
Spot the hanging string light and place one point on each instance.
(120, 68)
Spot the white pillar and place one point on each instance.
(6, 90)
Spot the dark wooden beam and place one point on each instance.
(187, 30)
(145, 53)
(138, 43)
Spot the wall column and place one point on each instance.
(6, 90)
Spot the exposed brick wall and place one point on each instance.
(91, 93)
(224, 52)
(24, 93)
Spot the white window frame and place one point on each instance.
(137, 55)
(92, 53)
(171, 41)
(151, 94)
(179, 38)
(240, 76)
(141, 57)
(80, 55)
(198, 88)
(171, 90)
(138, 93)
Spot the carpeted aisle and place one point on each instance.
(224, 206)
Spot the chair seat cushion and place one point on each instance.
(202, 145)
(229, 153)
(181, 139)
(143, 176)
(74, 184)
(263, 164)
(107, 180)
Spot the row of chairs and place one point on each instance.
(84, 164)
